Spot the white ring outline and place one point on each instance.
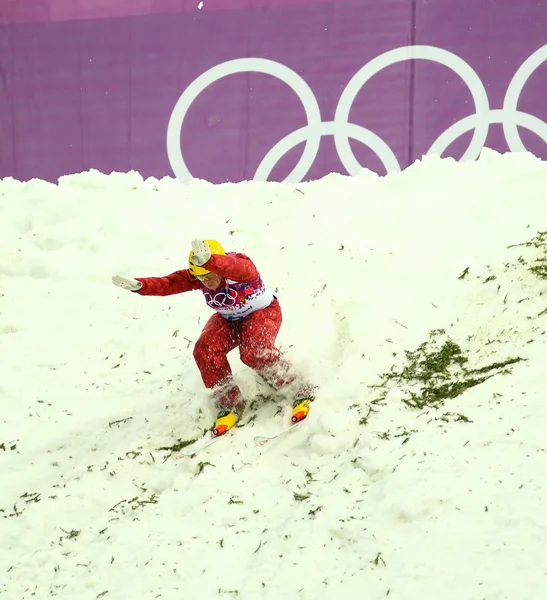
(244, 65)
(512, 96)
(509, 116)
(342, 130)
(356, 132)
(439, 55)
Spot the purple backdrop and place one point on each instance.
(90, 85)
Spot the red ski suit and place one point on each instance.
(254, 333)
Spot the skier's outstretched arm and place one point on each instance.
(176, 283)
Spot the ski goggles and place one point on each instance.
(205, 277)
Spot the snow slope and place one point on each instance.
(386, 490)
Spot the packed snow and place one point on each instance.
(383, 491)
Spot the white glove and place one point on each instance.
(202, 252)
(126, 284)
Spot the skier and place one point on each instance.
(247, 315)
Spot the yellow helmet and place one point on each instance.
(215, 248)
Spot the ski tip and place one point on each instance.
(261, 441)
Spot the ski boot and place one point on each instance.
(300, 409)
(226, 419)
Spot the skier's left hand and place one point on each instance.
(126, 284)
(202, 252)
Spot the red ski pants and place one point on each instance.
(255, 335)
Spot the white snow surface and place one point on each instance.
(370, 497)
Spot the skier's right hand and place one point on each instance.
(126, 284)
(202, 252)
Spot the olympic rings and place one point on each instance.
(342, 130)
(220, 299)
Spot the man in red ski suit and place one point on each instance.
(247, 315)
